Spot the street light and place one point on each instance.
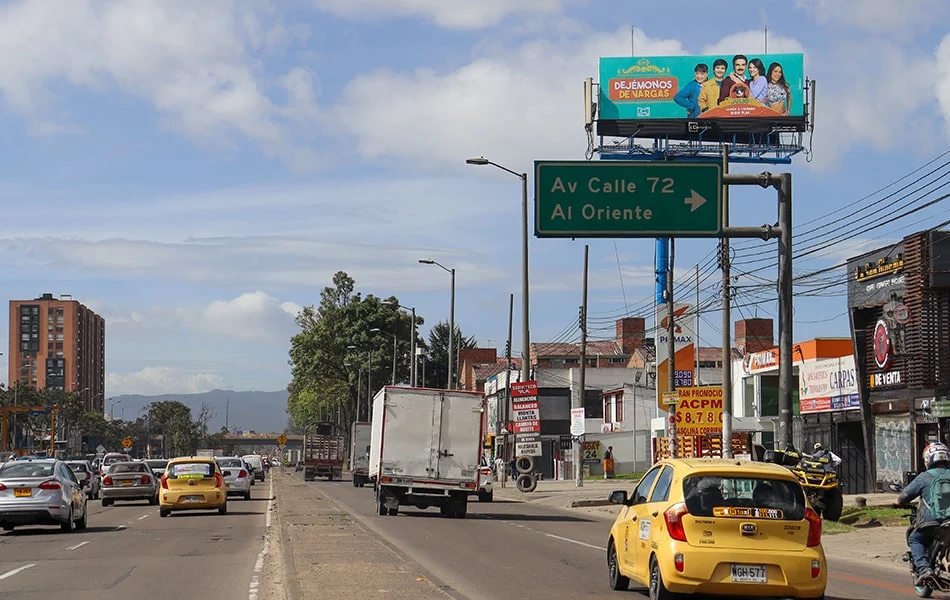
(412, 340)
(369, 382)
(112, 408)
(526, 341)
(378, 330)
(429, 261)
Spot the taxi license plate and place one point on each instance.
(22, 492)
(127, 482)
(749, 574)
(191, 499)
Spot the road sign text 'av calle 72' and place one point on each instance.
(627, 199)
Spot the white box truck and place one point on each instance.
(425, 449)
(359, 452)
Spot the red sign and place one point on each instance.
(528, 405)
(526, 427)
(524, 389)
(882, 345)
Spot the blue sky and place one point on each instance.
(196, 171)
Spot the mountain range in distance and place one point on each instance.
(263, 412)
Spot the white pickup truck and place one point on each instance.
(425, 449)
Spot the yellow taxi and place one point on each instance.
(192, 483)
(716, 526)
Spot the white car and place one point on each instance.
(84, 471)
(236, 475)
(486, 478)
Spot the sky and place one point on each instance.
(197, 171)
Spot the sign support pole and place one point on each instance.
(579, 397)
(785, 319)
(671, 346)
(725, 264)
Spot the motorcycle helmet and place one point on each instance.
(935, 453)
(818, 447)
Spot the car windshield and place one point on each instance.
(77, 467)
(186, 470)
(746, 497)
(230, 463)
(114, 459)
(127, 468)
(156, 464)
(26, 469)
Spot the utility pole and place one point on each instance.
(412, 350)
(507, 410)
(579, 397)
(451, 331)
(671, 347)
(724, 264)
(227, 411)
(785, 319)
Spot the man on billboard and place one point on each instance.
(738, 76)
(709, 95)
(688, 97)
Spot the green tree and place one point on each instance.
(437, 354)
(179, 432)
(335, 348)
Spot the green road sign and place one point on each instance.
(627, 199)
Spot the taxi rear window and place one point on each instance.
(744, 497)
(186, 470)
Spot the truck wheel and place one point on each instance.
(486, 496)
(381, 504)
(445, 510)
(355, 484)
(393, 511)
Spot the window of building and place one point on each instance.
(572, 361)
(59, 310)
(49, 337)
(591, 362)
(59, 345)
(616, 361)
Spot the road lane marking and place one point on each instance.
(254, 587)
(119, 527)
(586, 545)
(77, 546)
(143, 517)
(17, 570)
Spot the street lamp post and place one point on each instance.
(429, 261)
(378, 330)
(525, 341)
(369, 383)
(412, 340)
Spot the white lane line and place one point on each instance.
(143, 517)
(77, 546)
(254, 588)
(586, 545)
(119, 527)
(17, 570)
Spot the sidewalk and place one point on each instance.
(320, 551)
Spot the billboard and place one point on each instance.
(828, 384)
(685, 96)
(876, 277)
(684, 337)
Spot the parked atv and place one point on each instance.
(818, 479)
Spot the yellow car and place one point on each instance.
(714, 526)
(192, 483)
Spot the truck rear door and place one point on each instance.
(458, 432)
(411, 433)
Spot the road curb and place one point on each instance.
(292, 588)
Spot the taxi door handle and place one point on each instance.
(656, 513)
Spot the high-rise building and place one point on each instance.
(58, 344)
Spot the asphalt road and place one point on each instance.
(127, 551)
(507, 549)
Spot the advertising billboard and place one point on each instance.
(827, 384)
(876, 277)
(684, 338)
(685, 96)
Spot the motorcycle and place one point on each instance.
(939, 553)
(818, 479)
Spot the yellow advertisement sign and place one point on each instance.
(699, 410)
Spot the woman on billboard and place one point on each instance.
(778, 96)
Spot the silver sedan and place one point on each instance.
(129, 481)
(41, 492)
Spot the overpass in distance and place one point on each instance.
(265, 439)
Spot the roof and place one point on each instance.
(712, 353)
(594, 348)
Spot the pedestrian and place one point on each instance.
(609, 463)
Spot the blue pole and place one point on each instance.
(662, 265)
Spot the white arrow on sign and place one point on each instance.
(694, 201)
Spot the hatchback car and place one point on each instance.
(237, 475)
(110, 459)
(192, 483)
(257, 464)
(41, 492)
(129, 481)
(83, 470)
(714, 526)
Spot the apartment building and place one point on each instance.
(58, 343)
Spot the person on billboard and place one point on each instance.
(738, 76)
(688, 97)
(709, 95)
(778, 96)
(758, 83)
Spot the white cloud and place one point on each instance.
(253, 316)
(162, 380)
(504, 104)
(750, 42)
(191, 60)
(943, 79)
(884, 17)
(455, 14)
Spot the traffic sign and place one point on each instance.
(127, 443)
(282, 440)
(100, 449)
(578, 427)
(581, 199)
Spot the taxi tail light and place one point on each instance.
(218, 480)
(2, 487)
(146, 479)
(814, 527)
(164, 482)
(674, 521)
(815, 569)
(107, 480)
(679, 563)
(51, 484)
(242, 474)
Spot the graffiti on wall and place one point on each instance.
(892, 439)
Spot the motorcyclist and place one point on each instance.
(936, 460)
(819, 451)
